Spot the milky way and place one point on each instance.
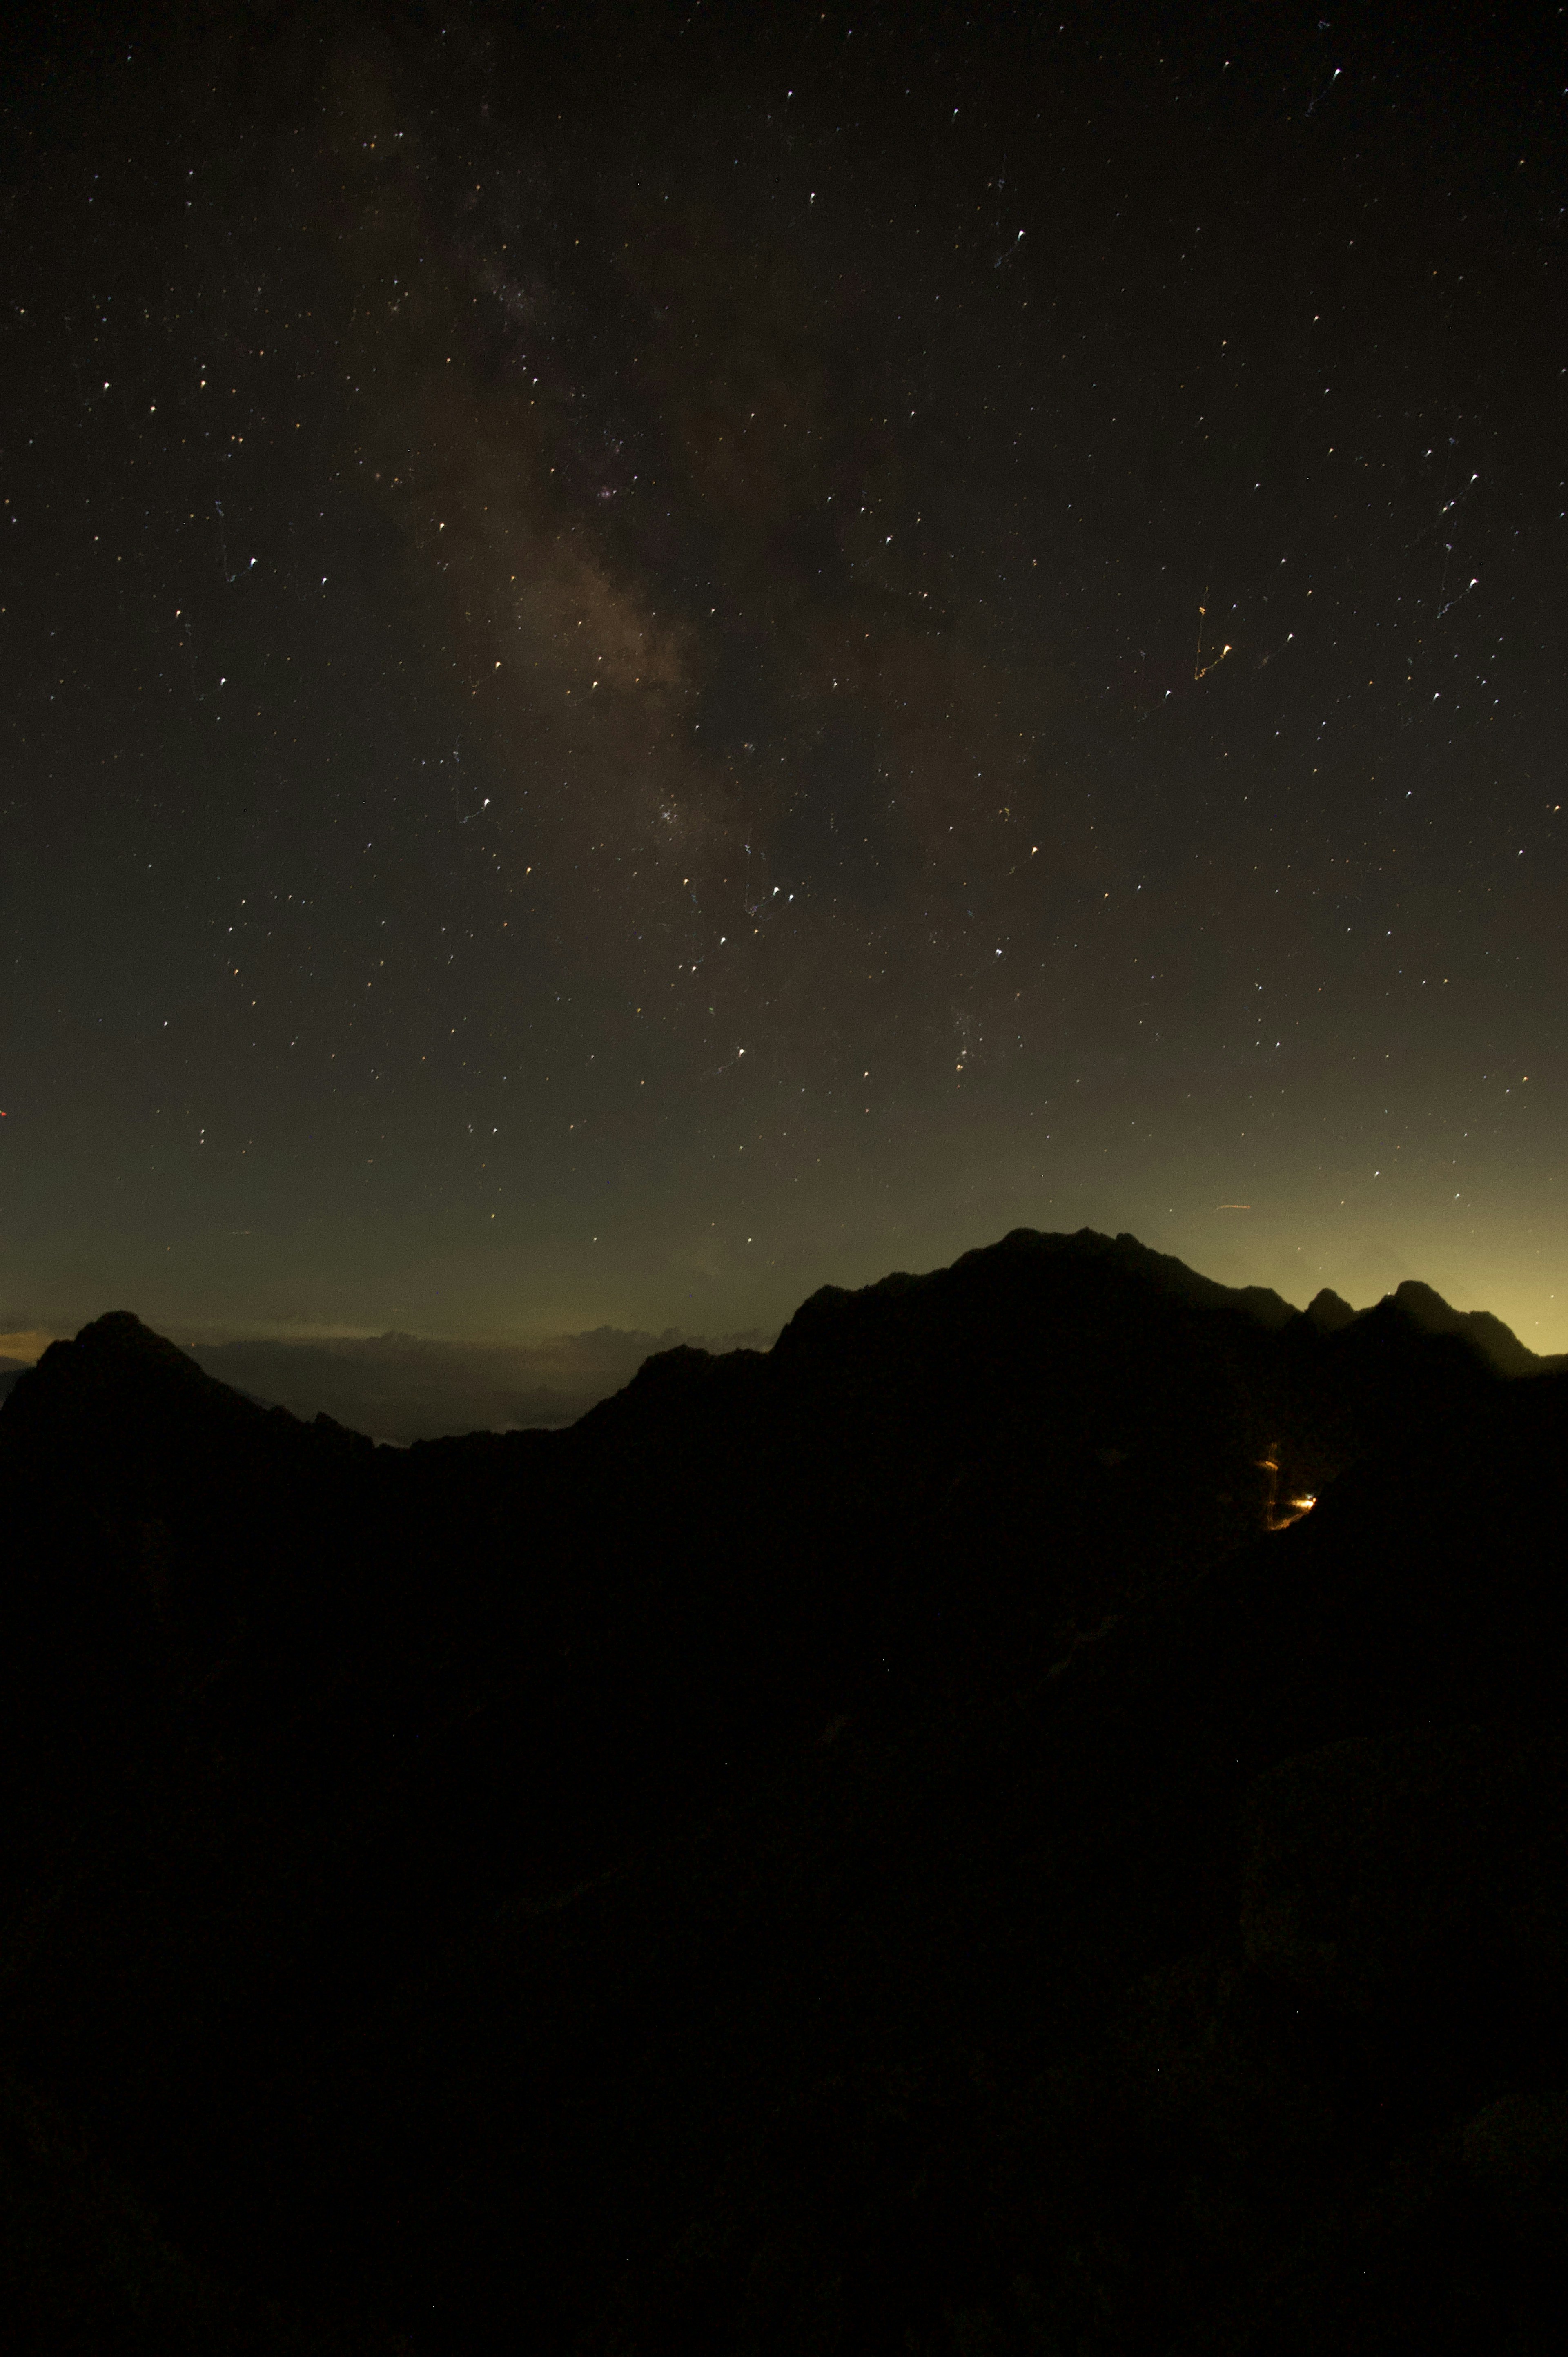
(654, 659)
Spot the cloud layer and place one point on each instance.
(402, 1387)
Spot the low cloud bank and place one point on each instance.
(401, 1387)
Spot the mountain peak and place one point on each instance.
(1497, 1343)
(121, 1334)
(1423, 1301)
(1329, 1310)
(117, 1373)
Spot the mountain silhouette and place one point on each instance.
(875, 1843)
(1497, 1342)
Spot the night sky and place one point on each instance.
(655, 657)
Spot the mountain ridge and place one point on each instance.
(1417, 1302)
(883, 1831)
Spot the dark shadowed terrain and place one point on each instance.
(914, 1840)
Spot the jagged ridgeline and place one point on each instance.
(888, 1843)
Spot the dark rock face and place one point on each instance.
(1515, 2156)
(865, 1846)
(1495, 1342)
(1381, 1862)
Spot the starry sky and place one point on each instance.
(657, 656)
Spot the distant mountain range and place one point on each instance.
(407, 1387)
(882, 1842)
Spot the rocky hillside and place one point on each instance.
(875, 1844)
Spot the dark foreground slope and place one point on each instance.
(871, 1847)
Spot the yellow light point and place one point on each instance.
(1279, 1512)
(1200, 669)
